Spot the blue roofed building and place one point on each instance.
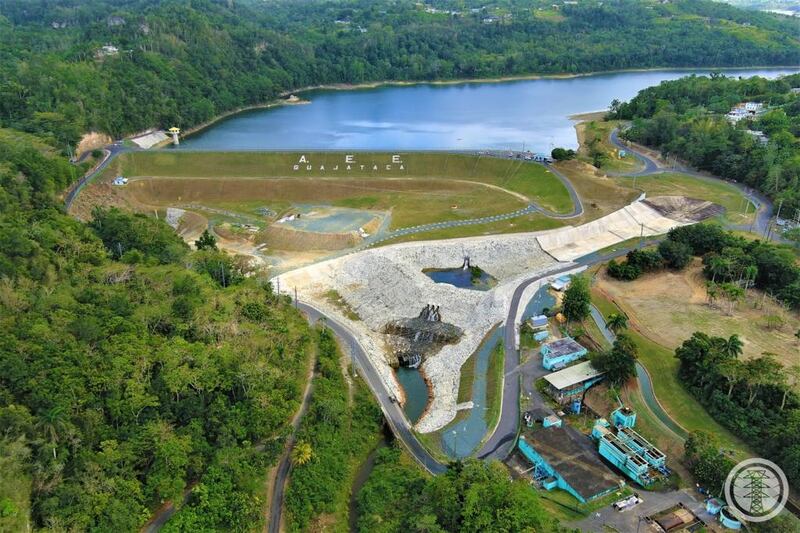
(563, 458)
(560, 353)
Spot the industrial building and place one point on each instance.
(631, 453)
(561, 352)
(564, 458)
(568, 385)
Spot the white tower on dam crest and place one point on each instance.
(174, 132)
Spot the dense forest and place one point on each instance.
(136, 370)
(687, 118)
(71, 66)
(472, 497)
(731, 264)
(130, 370)
(752, 398)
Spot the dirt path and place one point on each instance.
(276, 480)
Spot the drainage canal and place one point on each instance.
(463, 438)
(542, 299)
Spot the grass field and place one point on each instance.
(422, 188)
(593, 134)
(670, 306)
(719, 192)
(494, 387)
(600, 195)
(663, 366)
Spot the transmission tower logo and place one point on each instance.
(757, 489)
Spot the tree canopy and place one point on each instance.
(123, 66)
(686, 118)
(128, 374)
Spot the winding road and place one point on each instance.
(284, 466)
(759, 201)
(391, 409)
(503, 438)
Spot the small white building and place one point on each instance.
(745, 110)
(120, 180)
(107, 51)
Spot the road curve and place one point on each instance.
(502, 440)
(392, 411)
(762, 204)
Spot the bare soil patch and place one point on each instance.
(284, 238)
(92, 141)
(684, 209)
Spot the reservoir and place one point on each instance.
(531, 114)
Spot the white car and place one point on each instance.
(627, 503)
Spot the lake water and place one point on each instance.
(533, 113)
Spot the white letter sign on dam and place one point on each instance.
(349, 163)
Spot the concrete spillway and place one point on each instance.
(412, 339)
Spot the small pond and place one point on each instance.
(416, 391)
(472, 278)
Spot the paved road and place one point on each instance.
(502, 440)
(608, 519)
(501, 443)
(645, 382)
(761, 203)
(650, 166)
(391, 409)
(111, 151)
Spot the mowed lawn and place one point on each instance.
(663, 367)
(514, 177)
(719, 192)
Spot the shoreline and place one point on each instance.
(280, 100)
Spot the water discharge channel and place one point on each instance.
(645, 383)
(462, 438)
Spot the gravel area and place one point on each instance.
(388, 283)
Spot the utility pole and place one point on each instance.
(295, 297)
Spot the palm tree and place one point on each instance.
(733, 347)
(617, 322)
(301, 453)
(51, 424)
